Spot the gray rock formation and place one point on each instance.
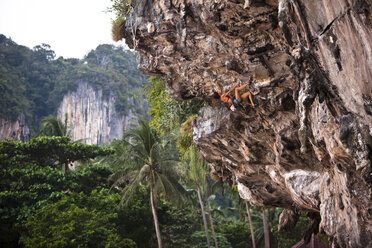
(307, 145)
(15, 130)
(92, 117)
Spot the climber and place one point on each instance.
(235, 101)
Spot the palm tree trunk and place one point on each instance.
(266, 230)
(155, 216)
(250, 224)
(211, 223)
(204, 218)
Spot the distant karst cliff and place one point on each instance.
(99, 93)
(307, 145)
(15, 130)
(92, 117)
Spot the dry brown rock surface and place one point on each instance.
(307, 144)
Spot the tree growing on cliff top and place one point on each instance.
(121, 8)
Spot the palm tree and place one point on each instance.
(197, 175)
(150, 162)
(263, 222)
(266, 230)
(250, 223)
(208, 193)
(236, 196)
(52, 126)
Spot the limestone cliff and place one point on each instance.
(307, 144)
(92, 117)
(15, 130)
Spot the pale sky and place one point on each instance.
(71, 27)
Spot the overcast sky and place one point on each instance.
(71, 27)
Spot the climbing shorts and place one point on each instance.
(236, 101)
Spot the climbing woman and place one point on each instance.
(238, 96)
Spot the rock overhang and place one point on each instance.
(306, 146)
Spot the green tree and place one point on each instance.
(136, 221)
(92, 177)
(121, 7)
(266, 219)
(29, 178)
(77, 220)
(250, 223)
(177, 224)
(52, 151)
(197, 174)
(266, 230)
(236, 232)
(152, 164)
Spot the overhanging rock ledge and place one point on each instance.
(307, 144)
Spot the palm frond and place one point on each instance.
(122, 176)
(178, 189)
(172, 191)
(130, 190)
(52, 126)
(197, 168)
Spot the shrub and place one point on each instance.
(118, 29)
(184, 139)
(121, 7)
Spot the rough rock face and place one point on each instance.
(91, 116)
(307, 144)
(15, 130)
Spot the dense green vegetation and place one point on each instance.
(32, 175)
(33, 81)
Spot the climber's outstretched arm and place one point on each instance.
(219, 88)
(232, 88)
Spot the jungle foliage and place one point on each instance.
(31, 177)
(33, 81)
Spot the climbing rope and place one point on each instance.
(156, 16)
(134, 29)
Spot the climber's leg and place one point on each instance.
(238, 89)
(246, 95)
